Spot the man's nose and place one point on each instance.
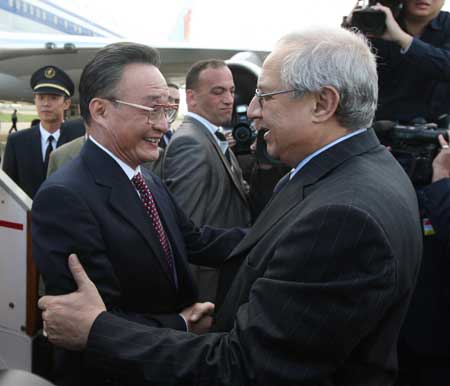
(162, 124)
(254, 109)
(229, 97)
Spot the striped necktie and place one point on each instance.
(150, 207)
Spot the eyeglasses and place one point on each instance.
(268, 95)
(155, 113)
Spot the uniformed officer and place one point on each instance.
(27, 151)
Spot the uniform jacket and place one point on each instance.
(22, 159)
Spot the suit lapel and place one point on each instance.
(279, 205)
(62, 136)
(235, 176)
(234, 162)
(293, 192)
(123, 198)
(36, 152)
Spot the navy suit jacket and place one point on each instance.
(23, 155)
(90, 207)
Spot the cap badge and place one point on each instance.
(49, 73)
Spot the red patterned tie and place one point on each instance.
(150, 207)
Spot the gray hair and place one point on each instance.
(338, 58)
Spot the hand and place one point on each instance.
(198, 317)
(69, 318)
(230, 139)
(441, 164)
(393, 32)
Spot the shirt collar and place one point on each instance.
(128, 170)
(436, 23)
(211, 128)
(303, 162)
(45, 134)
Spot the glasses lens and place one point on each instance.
(170, 113)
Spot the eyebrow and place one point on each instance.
(153, 98)
(221, 88)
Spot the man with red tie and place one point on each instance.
(133, 239)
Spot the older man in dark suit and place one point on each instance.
(27, 152)
(327, 270)
(199, 168)
(131, 235)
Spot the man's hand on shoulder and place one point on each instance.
(68, 318)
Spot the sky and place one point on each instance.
(214, 23)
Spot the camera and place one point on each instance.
(414, 147)
(243, 132)
(371, 21)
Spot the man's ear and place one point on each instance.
(67, 103)
(326, 104)
(190, 98)
(98, 109)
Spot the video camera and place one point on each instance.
(371, 21)
(414, 147)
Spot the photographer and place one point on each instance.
(414, 82)
(434, 199)
(424, 343)
(414, 62)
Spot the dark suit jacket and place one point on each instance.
(90, 207)
(23, 155)
(208, 188)
(327, 274)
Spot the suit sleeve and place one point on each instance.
(9, 160)
(206, 245)
(327, 285)
(187, 171)
(52, 164)
(62, 223)
(428, 60)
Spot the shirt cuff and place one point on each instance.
(185, 322)
(405, 50)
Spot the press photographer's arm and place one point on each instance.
(394, 32)
(413, 55)
(435, 197)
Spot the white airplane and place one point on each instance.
(18, 60)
